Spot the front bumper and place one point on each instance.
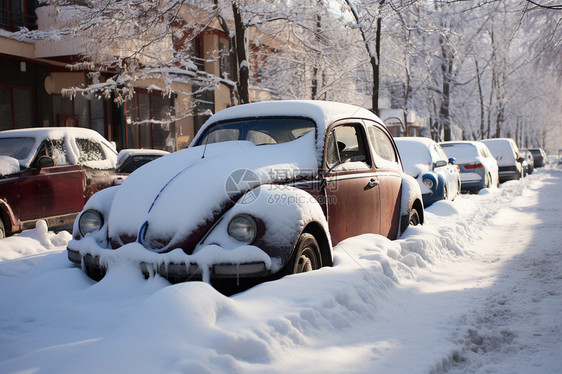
(175, 270)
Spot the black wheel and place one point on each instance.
(306, 256)
(2, 229)
(414, 219)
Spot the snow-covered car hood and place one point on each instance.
(172, 201)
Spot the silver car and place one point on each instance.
(509, 159)
(478, 167)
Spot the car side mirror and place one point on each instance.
(45, 162)
(452, 161)
(440, 163)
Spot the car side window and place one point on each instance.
(259, 138)
(436, 155)
(382, 144)
(441, 152)
(89, 150)
(346, 142)
(55, 149)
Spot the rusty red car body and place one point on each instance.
(57, 171)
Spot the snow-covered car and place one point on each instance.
(49, 174)
(507, 154)
(539, 157)
(264, 190)
(477, 165)
(129, 160)
(437, 175)
(528, 162)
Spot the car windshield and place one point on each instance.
(18, 148)
(501, 150)
(461, 152)
(535, 152)
(413, 153)
(259, 131)
(134, 162)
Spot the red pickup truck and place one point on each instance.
(49, 174)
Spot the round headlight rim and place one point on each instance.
(83, 215)
(252, 223)
(428, 182)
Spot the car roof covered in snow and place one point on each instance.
(53, 133)
(504, 150)
(41, 133)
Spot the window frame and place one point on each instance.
(379, 161)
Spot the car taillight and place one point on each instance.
(474, 166)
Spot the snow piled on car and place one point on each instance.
(8, 165)
(414, 155)
(69, 134)
(178, 193)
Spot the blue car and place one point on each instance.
(437, 175)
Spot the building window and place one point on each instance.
(147, 115)
(15, 14)
(204, 100)
(197, 54)
(79, 111)
(224, 60)
(16, 108)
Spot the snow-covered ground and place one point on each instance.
(477, 289)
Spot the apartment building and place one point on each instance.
(33, 74)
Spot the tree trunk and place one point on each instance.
(481, 100)
(375, 62)
(444, 115)
(243, 83)
(315, 70)
(374, 56)
(233, 69)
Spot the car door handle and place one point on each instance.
(372, 183)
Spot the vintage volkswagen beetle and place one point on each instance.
(265, 190)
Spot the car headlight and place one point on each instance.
(428, 182)
(90, 221)
(243, 228)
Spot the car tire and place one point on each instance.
(488, 181)
(306, 256)
(414, 218)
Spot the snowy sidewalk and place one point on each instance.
(517, 327)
